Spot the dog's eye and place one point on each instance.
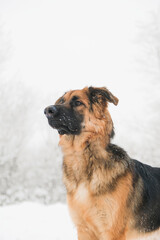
(61, 101)
(77, 103)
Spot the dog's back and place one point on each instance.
(148, 212)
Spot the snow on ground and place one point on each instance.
(33, 221)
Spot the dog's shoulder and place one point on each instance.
(119, 156)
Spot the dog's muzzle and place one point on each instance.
(64, 119)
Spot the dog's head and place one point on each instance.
(81, 111)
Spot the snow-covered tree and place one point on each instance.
(14, 112)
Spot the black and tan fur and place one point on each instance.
(110, 196)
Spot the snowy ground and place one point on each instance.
(32, 221)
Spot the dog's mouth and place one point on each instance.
(63, 127)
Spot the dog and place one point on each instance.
(110, 196)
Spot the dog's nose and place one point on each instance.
(51, 111)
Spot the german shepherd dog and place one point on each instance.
(110, 196)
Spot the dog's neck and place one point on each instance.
(79, 155)
(86, 141)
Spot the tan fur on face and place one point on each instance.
(96, 124)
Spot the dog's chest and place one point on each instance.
(81, 194)
(90, 211)
(80, 205)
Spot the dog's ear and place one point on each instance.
(102, 95)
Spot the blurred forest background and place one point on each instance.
(87, 54)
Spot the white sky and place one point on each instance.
(70, 44)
